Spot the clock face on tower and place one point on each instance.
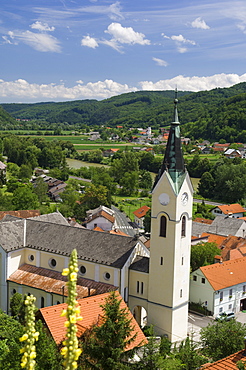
(184, 198)
(164, 199)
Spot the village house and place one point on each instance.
(139, 215)
(232, 153)
(220, 287)
(102, 217)
(232, 210)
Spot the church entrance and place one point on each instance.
(243, 304)
(140, 315)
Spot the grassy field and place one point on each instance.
(130, 204)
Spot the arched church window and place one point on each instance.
(163, 226)
(183, 230)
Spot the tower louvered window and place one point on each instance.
(163, 226)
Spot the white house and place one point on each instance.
(233, 210)
(139, 215)
(102, 217)
(220, 287)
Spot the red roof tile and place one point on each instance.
(54, 282)
(91, 311)
(231, 208)
(214, 238)
(21, 214)
(227, 363)
(141, 212)
(203, 220)
(226, 274)
(102, 214)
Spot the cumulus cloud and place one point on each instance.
(242, 27)
(89, 41)
(194, 83)
(160, 62)
(126, 35)
(23, 91)
(42, 27)
(179, 41)
(200, 23)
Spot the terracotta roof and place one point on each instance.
(91, 311)
(20, 214)
(231, 208)
(214, 238)
(230, 244)
(226, 274)
(118, 232)
(97, 228)
(102, 214)
(227, 363)
(141, 212)
(53, 281)
(221, 145)
(203, 220)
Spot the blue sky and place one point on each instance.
(58, 50)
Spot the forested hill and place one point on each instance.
(5, 117)
(215, 114)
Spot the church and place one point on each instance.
(154, 283)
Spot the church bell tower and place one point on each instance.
(171, 221)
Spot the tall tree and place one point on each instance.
(203, 254)
(104, 345)
(222, 338)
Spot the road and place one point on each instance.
(123, 222)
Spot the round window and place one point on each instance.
(52, 262)
(82, 270)
(31, 257)
(107, 275)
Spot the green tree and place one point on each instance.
(25, 172)
(10, 332)
(104, 345)
(203, 254)
(129, 183)
(41, 189)
(206, 185)
(17, 307)
(222, 338)
(145, 180)
(93, 197)
(187, 352)
(147, 221)
(25, 198)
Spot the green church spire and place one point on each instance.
(173, 161)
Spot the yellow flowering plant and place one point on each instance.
(30, 336)
(70, 350)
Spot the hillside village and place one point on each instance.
(152, 275)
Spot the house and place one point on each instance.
(221, 226)
(232, 153)
(102, 217)
(20, 214)
(139, 215)
(221, 287)
(232, 247)
(92, 313)
(233, 210)
(110, 152)
(227, 363)
(220, 147)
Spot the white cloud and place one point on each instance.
(182, 49)
(126, 35)
(181, 39)
(23, 91)
(42, 27)
(38, 41)
(242, 27)
(160, 62)
(89, 41)
(200, 23)
(194, 83)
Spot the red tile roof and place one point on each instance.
(227, 363)
(102, 214)
(21, 214)
(91, 311)
(231, 208)
(231, 244)
(54, 282)
(203, 220)
(214, 238)
(226, 274)
(141, 212)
